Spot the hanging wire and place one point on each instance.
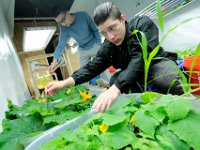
(36, 14)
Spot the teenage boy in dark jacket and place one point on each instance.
(122, 50)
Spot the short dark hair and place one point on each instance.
(105, 11)
(59, 8)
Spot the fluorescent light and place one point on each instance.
(37, 38)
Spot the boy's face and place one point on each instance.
(114, 30)
(64, 19)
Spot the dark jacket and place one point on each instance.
(127, 57)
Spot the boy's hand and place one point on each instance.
(53, 65)
(106, 98)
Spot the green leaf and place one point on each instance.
(145, 144)
(65, 103)
(169, 141)
(145, 122)
(188, 129)
(54, 144)
(91, 131)
(118, 136)
(33, 107)
(160, 15)
(59, 95)
(123, 101)
(131, 109)
(179, 108)
(111, 120)
(165, 100)
(118, 107)
(62, 117)
(149, 96)
(156, 112)
(18, 131)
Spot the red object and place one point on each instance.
(111, 69)
(187, 62)
(195, 77)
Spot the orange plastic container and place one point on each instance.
(187, 62)
(195, 77)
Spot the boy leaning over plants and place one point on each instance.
(122, 50)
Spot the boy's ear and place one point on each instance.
(123, 17)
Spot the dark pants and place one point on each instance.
(162, 75)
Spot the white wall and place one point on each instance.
(187, 35)
(12, 82)
(84, 5)
(128, 7)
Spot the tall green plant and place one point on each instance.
(160, 15)
(143, 43)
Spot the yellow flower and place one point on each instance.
(70, 90)
(132, 121)
(103, 127)
(41, 86)
(42, 100)
(85, 96)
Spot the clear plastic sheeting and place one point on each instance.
(12, 82)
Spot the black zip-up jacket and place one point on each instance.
(127, 57)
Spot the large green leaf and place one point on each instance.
(145, 122)
(111, 120)
(179, 108)
(169, 141)
(18, 131)
(149, 96)
(123, 101)
(188, 129)
(62, 117)
(58, 143)
(66, 103)
(146, 144)
(123, 105)
(26, 108)
(131, 109)
(156, 112)
(118, 137)
(32, 107)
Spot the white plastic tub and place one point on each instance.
(50, 134)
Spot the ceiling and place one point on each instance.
(30, 9)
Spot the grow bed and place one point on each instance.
(156, 122)
(24, 123)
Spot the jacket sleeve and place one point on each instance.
(61, 44)
(135, 69)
